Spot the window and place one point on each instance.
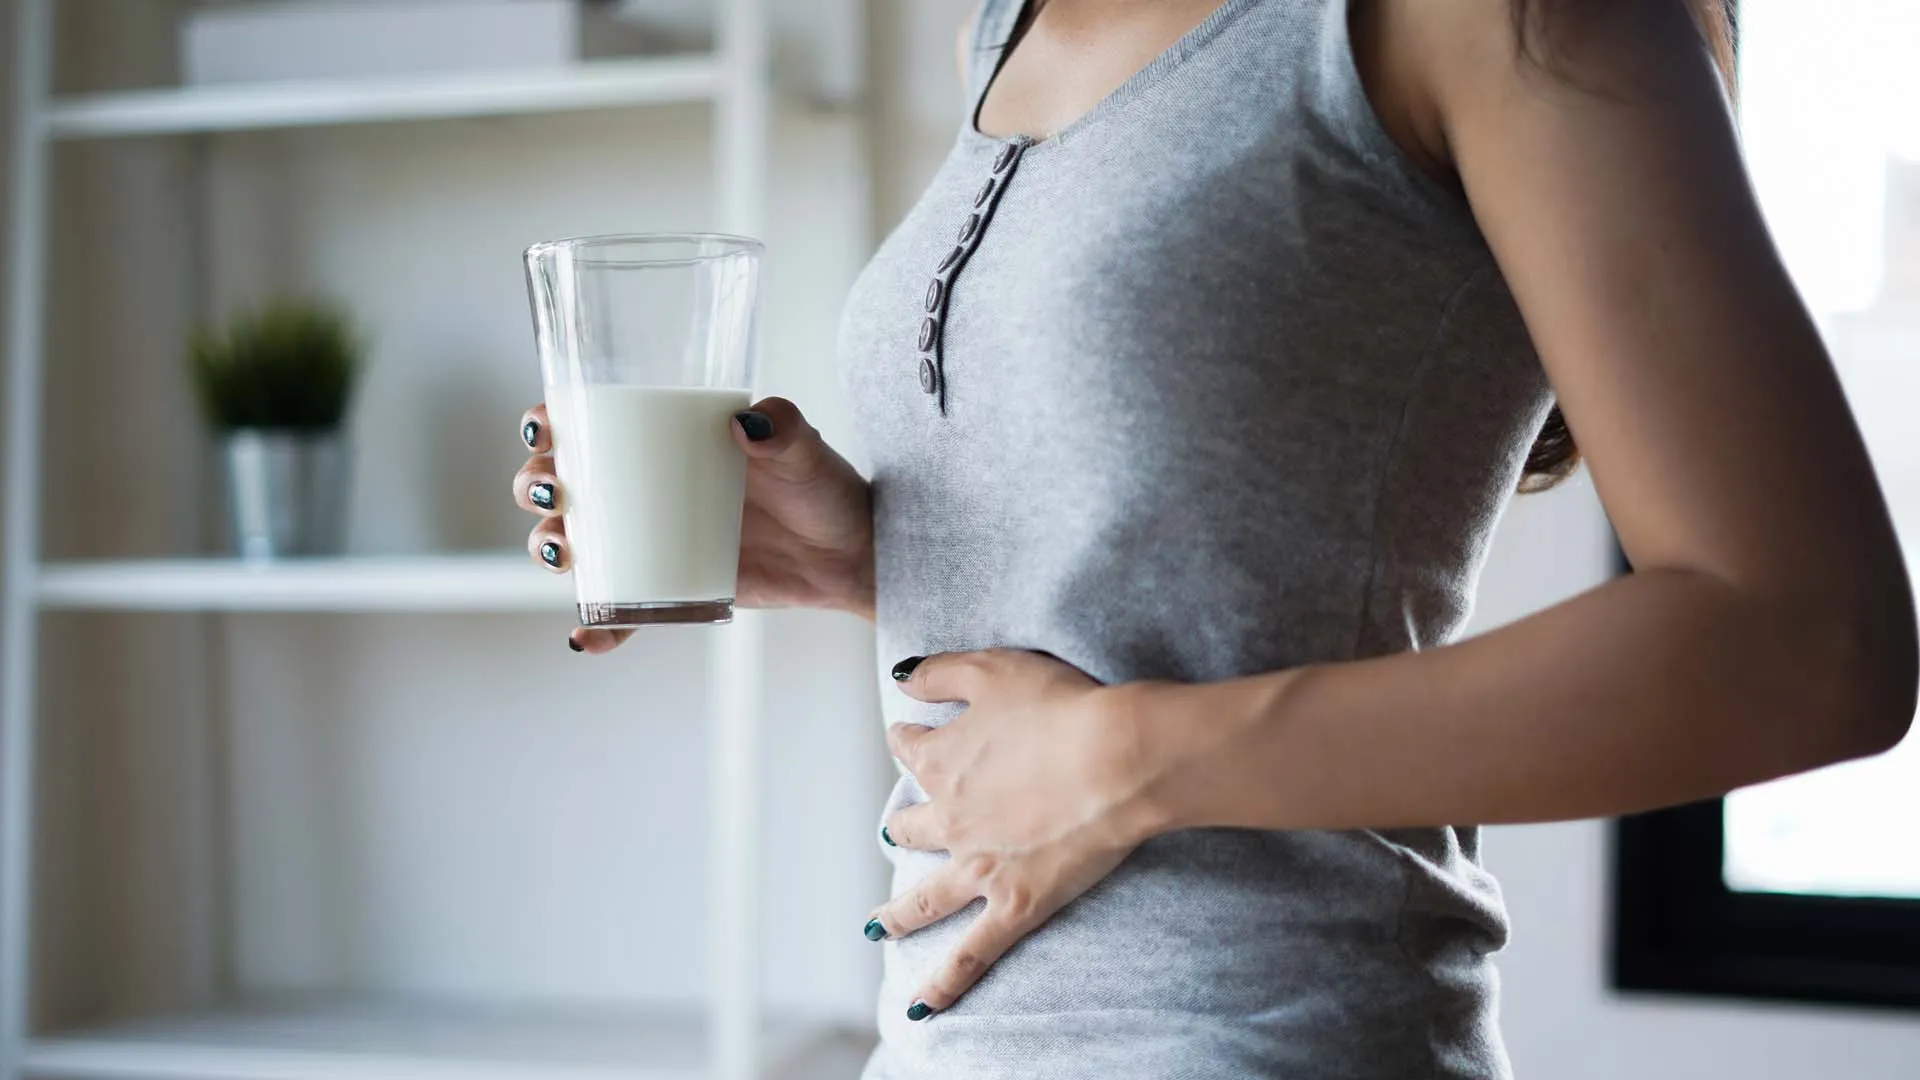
(1810, 887)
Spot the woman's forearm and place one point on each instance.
(1657, 688)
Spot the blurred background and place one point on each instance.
(365, 815)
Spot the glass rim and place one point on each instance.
(722, 245)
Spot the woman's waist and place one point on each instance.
(1225, 923)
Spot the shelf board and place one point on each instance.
(375, 1039)
(595, 84)
(423, 583)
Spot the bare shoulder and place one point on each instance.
(1460, 57)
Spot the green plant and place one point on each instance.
(288, 366)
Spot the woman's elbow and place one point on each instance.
(1878, 673)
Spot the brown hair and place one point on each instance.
(1555, 455)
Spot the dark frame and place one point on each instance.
(1677, 928)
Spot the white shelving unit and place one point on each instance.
(321, 1039)
(597, 84)
(416, 583)
(310, 1040)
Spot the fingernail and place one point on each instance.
(550, 554)
(530, 433)
(874, 930)
(887, 836)
(575, 646)
(919, 1010)
(541, 495)
(903, 670)
(756, 425)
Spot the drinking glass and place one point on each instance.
(647, 348)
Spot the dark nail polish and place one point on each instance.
(550, 554)
(874, 930)
(575, 646)
(903, 670)
(757, 426)
(887, 836)
(530, 433)
(919, 1010)
(541, 495)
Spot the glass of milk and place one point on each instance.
(647, 346)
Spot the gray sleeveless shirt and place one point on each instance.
(1212, 382)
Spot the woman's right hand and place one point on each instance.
(806, 532)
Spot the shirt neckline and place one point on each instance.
(1162, 65)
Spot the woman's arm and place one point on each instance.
(1769, 627)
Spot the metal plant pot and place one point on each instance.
(286, 492)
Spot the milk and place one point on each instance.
(652, 484)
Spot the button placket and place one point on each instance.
(932, 330)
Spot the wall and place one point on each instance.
(456, 807)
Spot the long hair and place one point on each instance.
(1555, 455)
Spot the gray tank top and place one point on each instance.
(1212, 382)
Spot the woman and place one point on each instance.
(1194, 386)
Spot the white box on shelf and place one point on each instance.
(320, 39)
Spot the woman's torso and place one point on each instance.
(1219, 384)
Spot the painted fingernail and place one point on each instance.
(575, 646)
(874, 930)
(757, 426)
(530, 433)
(887, 836)
(919, 1010)
(903, 670)
(550, 554)
(541, 495)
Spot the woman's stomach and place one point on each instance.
(1211, 952)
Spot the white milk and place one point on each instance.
(652, 484)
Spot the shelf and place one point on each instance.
(372, 1039)
(594, 84)
(424, 583)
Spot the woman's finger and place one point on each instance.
(937, 896)
(916, 827)
(547, 543)
(985, 942)
(537, 488)
(534, 431)
(596, 642)
(944, 677)
(909, 744)
(774, 433)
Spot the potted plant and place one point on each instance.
(274, 386)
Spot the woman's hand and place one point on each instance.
(1034, 791)
(806, 533)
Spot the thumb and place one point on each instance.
(775, 433)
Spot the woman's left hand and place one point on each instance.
(1034, 791)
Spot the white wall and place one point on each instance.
(436, 805)
(461, 806)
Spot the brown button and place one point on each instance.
(928, 328)
(933, 295)
(928, 381)
(1006, 158)
(986, 192)
(953, 257)
(971, 228)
